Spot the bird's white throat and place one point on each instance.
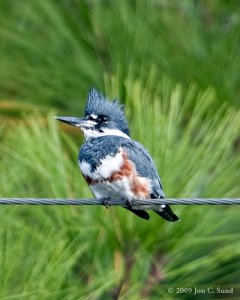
(92, 133)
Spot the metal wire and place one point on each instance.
(136, 204)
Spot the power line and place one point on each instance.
(137, 204)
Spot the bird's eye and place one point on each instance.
(103, 119)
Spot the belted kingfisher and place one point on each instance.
(114, 165)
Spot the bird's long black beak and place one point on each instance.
(78, 122)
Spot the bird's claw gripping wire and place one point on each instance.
(105, 202)
(127, 203)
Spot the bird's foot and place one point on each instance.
(128, 203)
(105, 202)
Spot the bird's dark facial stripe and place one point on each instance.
(99, 119)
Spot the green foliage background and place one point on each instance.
(175, 65)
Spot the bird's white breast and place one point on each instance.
(116, 177)
(108, 166)
(120, 188)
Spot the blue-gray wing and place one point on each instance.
(144, 165)
(146, 168)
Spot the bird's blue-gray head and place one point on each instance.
(102, 117)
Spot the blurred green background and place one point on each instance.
(175, 65)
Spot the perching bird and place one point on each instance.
(114, 165)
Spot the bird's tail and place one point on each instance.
(166, 213)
